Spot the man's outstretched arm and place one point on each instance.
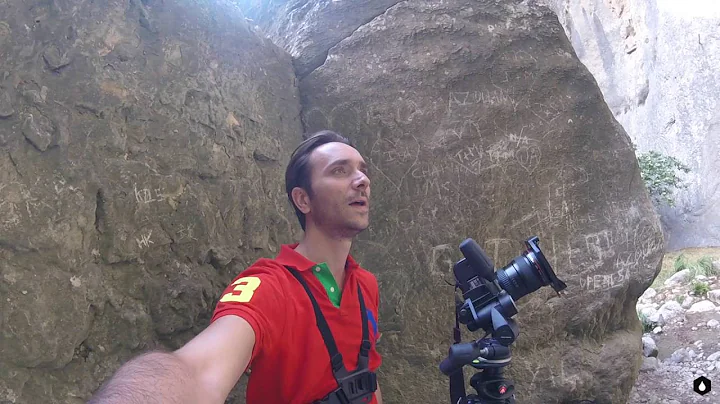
(203, 371)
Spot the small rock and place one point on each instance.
(714, 357)
(649, 364)
(678, 277)
(714, 296)
(6, 104)
(694, 328)
(701, 278)
(648, 312)
(711, 368)
(649, 347)
(713, 323)
(648, 294)
(671, 310)
(689, 300)
(657, 330)
(681, 355)
(701, 307)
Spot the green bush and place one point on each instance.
(700, 288)
(706, 266)
(681, 263)
(647, 325)
(660, 174)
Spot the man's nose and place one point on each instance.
(362, 180)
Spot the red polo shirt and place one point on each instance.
(290, 363)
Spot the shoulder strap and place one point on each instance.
(363, 356)
(335, 356)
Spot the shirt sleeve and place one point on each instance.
(256, 296)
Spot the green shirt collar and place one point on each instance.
(322, 272)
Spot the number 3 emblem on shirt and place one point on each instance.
(246, 286)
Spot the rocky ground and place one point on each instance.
(681, 316)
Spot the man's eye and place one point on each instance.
(339, 170)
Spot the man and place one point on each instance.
(266, 320)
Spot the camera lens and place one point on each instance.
(520, 277)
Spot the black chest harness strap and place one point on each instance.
(354, 387)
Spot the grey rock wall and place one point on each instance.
(142, 156)
(655, 62)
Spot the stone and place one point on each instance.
(649, 347)
(481, 98)
(657, 330)
(687, 302)
(648, 294)
(681, 355)
(6, 104)
(649, 364)
(714, 296)
(650, 313)
(634, 51)
(129, 194)
(713, 323)
(682, 276)
(714, 357)
(702, 307)
(671, 311)
(39, 131)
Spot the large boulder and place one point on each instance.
(142, 155)
(655, 62)
(478, 120)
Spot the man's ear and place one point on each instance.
(301, 199)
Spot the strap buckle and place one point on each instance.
(356, 388)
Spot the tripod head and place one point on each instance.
(488, 303)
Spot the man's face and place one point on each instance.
(341, 190)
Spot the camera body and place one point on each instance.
(485, 291)
(488, 303)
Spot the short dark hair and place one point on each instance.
(298, 172)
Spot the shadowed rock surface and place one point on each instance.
(142, 154)
(479, 121)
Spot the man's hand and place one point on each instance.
(378, 395)
(203, 371)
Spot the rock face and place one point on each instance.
(317, 25)
(655, 64)
(142, 154)
(479, 121)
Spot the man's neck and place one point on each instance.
(318, 247)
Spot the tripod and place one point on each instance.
(490, 385)
(490, 356)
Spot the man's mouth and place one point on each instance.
(358, 203)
